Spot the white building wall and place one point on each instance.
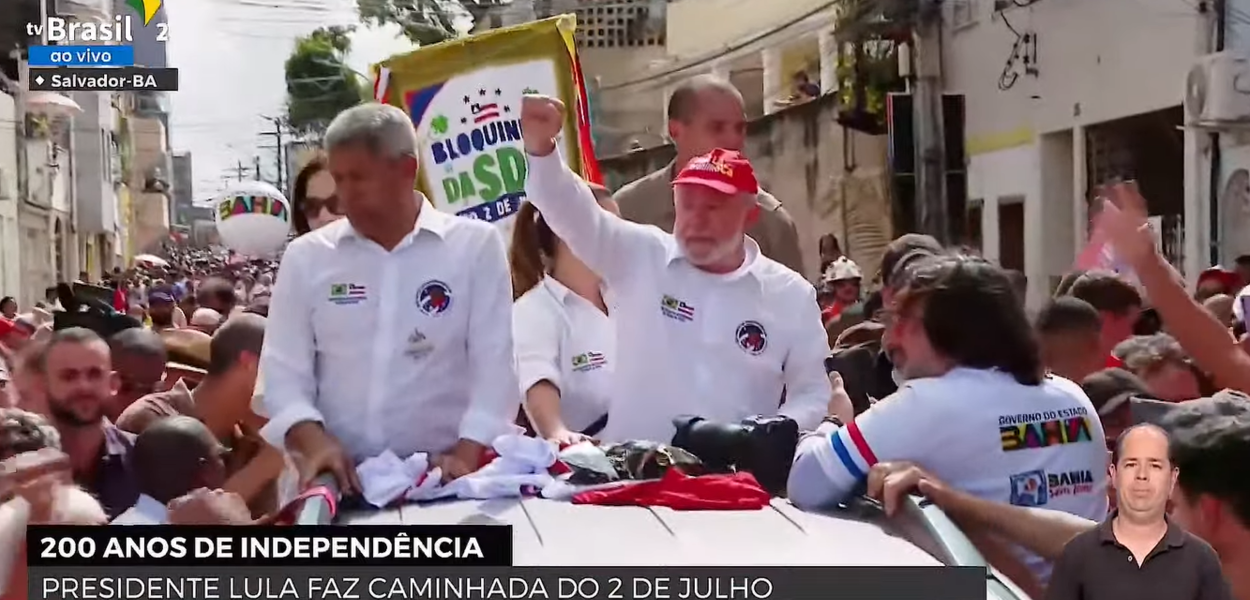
(1095, 62)
(10, 234)
(1233, 194)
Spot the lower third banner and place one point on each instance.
(499, 583)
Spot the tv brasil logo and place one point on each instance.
(93, 44)
(59, 30)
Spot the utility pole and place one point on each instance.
(237, 173)
(279, 152)
(256, 163)
(932, 211)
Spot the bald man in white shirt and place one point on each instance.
(709, 326)
(390, 329)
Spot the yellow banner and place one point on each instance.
(464, 97)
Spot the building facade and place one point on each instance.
(10, 234)
(1230, 171)
(97, 173)
(184, 189)
(149, 183)
(1062, 97)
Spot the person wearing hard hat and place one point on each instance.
(841, 281)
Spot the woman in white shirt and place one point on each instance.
(565, 343)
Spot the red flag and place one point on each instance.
(590, 164)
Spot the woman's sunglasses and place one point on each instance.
(312, 206)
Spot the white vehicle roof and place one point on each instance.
(558, 533)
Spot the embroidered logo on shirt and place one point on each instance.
(434, 298)
(1029, 488)
(589, 361)
(418, 346)
(751, 337)
(676, 309)
(1043, 429)
(348, 293)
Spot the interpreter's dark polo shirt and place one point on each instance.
(1095, 566)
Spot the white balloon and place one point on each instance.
(253, 218)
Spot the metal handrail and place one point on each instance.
(955, 544)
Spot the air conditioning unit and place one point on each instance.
(1218, 88)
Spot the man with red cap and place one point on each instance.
(708, 326)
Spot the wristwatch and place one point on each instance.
(833, 419)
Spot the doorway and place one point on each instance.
(1011, 233)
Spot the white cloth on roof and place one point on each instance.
(522, 463)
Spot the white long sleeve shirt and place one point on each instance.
(565, 340)
(407, 350)
(981, 432)
(690, 342)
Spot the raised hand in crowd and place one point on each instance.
(542, 118)
(315, 451)
(1201, 334)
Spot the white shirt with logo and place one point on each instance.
(562, 338)
(723, 347)
(981, 432)
(405, 350)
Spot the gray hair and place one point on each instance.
(382, 128)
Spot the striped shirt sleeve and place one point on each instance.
(830, 464)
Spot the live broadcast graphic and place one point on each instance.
(125, 54)
(460, 562)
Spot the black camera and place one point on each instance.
(762, 446)
(82, 306)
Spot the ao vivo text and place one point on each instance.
(81, 56)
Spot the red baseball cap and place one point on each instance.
(1226, 278)
(726, 171)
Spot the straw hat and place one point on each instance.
(187, 347)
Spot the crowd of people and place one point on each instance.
(212, 390)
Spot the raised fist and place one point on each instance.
(542, 118)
